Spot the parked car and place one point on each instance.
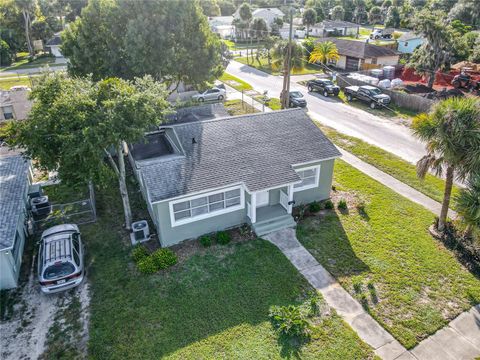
(296, 99)
(324, 86)
(377, 34)
(60, 259)
(210, 95)
(369, 94)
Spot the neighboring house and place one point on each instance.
(353, 54)
(334, 28)
(14, 181)
(222, 25)
(54, 45)
(196, 113)
(14, 103)
(408, 42)
(267, 14)
(204, 176)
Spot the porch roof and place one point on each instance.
(258, 150)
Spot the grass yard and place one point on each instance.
(213, 304)
(393, 165)
(6, 84)
(241, 46)
(23, 63)
(238, 107)
(273, 103)
(236, 83)
(393, 110)
(381, 252)
(309, 68)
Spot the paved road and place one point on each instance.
(384, 133)
(33, 70)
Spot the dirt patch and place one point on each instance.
(26, 334)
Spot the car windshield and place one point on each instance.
(296, 94)
(58, 270)
(327, 82)
(375, 91)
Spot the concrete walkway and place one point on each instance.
(394, 184)
(460, 340)
(337, 297)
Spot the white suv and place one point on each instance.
(60, 259)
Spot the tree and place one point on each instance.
(309, 19)
(375, 15)
(451, 132)
(245, 12)
(132, 38)
(338, 13)
(268, 43)
(436, 52)
(227, 8)
(75, 124)
(279, 53)
(317, 6)
(467, 11)
(468, 205)
(393, 17)
(27, 8)
(475, 56)
(259, 31)
(6, 54)
(324, 51)
(360, 12)
(210, 7)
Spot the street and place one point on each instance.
(384, 133)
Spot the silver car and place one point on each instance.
(210, 95)
(60, 259)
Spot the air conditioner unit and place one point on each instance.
(40, 205)
(140, 232)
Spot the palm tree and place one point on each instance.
(452, 135)
(468, 205)
(323, 52)
(259, 30)
(245, 12)
(309, 18)
(297, 59)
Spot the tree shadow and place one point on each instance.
(291, 347)
(363, 213)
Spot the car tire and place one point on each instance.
(220, 97)
(290, 105)
(377, 37)
(201, 99)
(310, 89)
(325, 93)
(349, 97)
(373, 105)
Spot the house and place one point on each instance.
(209, 175)
(353, 54)
(267, 14)
(54, 45)
(334, 28)
(14, 182)
(408, 42)
(14, 103)
(222, 25)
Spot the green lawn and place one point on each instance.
(381, 252)
(213, 304)
(241, 46)
(24, 64)
(393, 165)
(238, 107)
(273, 103)
(309, 68)
(235, 82)
(6, 84)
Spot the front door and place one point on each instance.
(262, 198)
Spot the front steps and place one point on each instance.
(273, 224)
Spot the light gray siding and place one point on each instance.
(10, 263)
(321, 192)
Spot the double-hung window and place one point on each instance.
(201, 207)
(309, 176)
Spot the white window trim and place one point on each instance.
(207, 215)
(317, 178)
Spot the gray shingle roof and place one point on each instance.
(257, 150)
(336, 24)
(360, 49)
(13, 187)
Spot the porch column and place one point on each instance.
(253, 208)
(290, 198)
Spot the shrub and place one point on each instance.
(139, 253)
(314, 305)
(164, 258)
(147, 265)
(223, 238)
(289, 320)
(342, 204)
(329, 204)
(205, 240)
(315, 207)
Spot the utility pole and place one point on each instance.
(286, 67)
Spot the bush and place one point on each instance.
(342, 204)
(223, 238)
(147, 265)
(139, 253)
(329, 205)
(289, 320)
(164, 258)
(315, 207)
(205, 240)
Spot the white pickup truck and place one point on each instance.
(377, 34)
